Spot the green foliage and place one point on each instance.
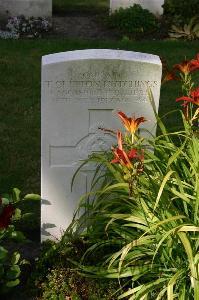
(9, 263)
(189, 31)
(10, 260)
(145, 227)
(65, 282)
(56, 278)
(180, 12)
(134, 20)
(153, 235)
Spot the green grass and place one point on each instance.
(20, 66)
(68, 6)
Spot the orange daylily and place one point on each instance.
(119, 140)
(194, 97)
(195, 63)
(131, 124)
(188, 66)
(170, 76)
(122, 157)
(184, 67)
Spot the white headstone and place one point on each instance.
(28, 8)
(155, 6)
(82, 91)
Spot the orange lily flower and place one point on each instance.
(188, 66)
(170, 76)
(119, 140)
(194, 98)
(131, 124)
(184, 67)
(122, 157)
(195, 63)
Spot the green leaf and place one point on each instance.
(13, 272)
(24, 262)
(130, 292)
(166, 178)
(125, 250)
(27, 216)
(18, 236)
(148, 287)
(15, 258)
(182, 196)
(12, 283)
(174, 157)
(172, 281)
(116, 186)
(161, 294)
(17, 215)
(35, 197)
(5, 201)
(16, 195)
(3, 253)
(189, 251)
(187, 228)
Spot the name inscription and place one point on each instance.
(99, 90)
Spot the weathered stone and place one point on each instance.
(82, 91)
(28, 8)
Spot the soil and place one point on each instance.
(83, 26)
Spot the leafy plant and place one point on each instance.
(189, 31)
(66, 283)
(134, 20)
(10, 261)
(9, 264)
(180, 12)
(55, 277)
(143, 223)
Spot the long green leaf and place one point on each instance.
(171, 283)
(166, 178)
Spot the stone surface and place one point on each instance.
(82, 91)
(28, 8)
(155, 6)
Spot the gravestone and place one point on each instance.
(82, 91)
(28, 8)
(155, 6)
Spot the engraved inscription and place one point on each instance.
(99, 90)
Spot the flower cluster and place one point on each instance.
(29, 27)
(123, 157)
(190, 97)
(4, 34)
(128, 154)
(6, 213)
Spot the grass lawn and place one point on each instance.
(20, 66)
(67, 6)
